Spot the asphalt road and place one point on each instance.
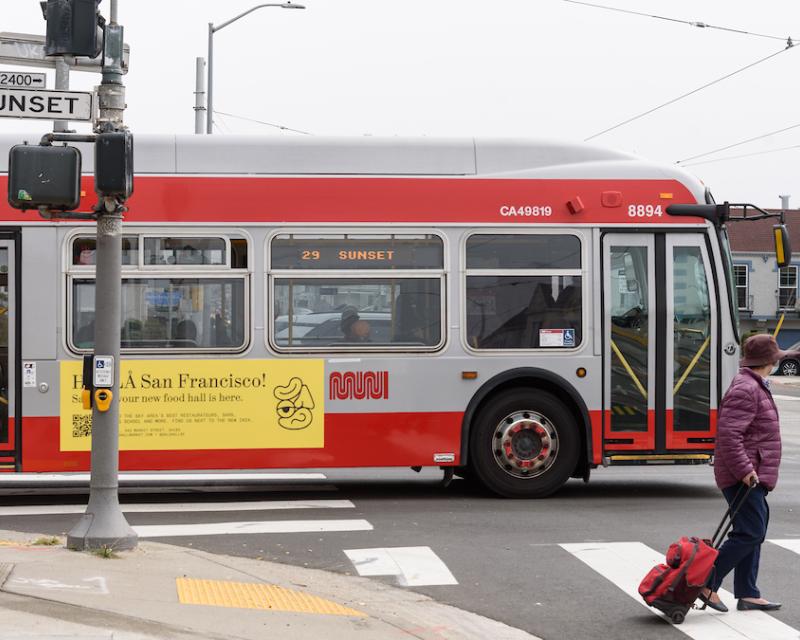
(505, 555)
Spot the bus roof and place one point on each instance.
(392, 156)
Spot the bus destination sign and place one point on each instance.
(356, 253)
(47, 105)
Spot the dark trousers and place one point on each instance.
(742, 549)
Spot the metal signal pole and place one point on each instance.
(103, 524)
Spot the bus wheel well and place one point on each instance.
(532, 382)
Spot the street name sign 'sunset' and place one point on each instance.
(22, 80)
(77, 106)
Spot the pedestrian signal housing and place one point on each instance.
(44, 176)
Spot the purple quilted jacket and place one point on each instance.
(748, 433)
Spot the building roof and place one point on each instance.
(756, 236)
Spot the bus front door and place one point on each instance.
(658, 344)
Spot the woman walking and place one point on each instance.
(747, 453)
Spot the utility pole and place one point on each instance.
(212, 29)
(200, 95)
(103, 524)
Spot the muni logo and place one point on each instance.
(359, 385)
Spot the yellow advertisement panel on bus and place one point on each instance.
(205, 404)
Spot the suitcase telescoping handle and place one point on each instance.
(730, 514)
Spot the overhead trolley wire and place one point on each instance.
(737, 144)
(684, 95)
(269, 124)
(220, 125)
(744, 155)
(702, 25)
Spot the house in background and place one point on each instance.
(763, 291)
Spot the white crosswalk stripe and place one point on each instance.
(228, 528)
(413, 566)
(186, 507)
(626, 563)
(174, 528)
(792, 544)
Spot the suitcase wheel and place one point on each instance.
(677, 616)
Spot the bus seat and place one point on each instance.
(84, 336)
(185, 334)
(221, 338)
(409, 326)
(569, 302)
(538, 315)
(131, 332)
(154, 332)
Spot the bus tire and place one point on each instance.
(524, 443)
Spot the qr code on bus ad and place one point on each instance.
(81, 426)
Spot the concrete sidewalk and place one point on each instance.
(167, 592)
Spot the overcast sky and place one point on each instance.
(507, 68)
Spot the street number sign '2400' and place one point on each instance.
(22, 80)
(77, 106)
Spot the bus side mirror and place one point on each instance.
(44, 176)
(783, 248)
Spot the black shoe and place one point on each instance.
(717, 606)
(746, 605)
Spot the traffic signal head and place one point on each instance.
(113, 164)
(72, 28)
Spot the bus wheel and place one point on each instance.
(524, 444)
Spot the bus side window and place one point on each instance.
(513, 309)
(324, 293)
(196, 302)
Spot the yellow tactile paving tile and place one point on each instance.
(253, 595)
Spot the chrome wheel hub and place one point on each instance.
(525, 444)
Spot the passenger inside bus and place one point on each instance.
(353, 327)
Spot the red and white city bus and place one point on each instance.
(520, 311)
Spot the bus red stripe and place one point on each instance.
(378, 200)
(353, 440)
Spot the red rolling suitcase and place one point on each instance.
(672, 588)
